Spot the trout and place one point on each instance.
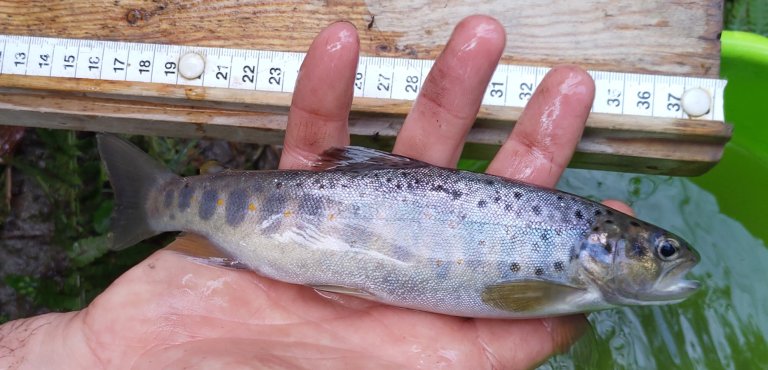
(406, 233)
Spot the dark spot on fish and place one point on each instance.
(578, 214)
(539, 271)
(634, 223)
(560, 197)
(389, 179)
(574, 253)
(316, 180)
(489, 182)
(274, 203)
(515, 267)
(536, 210)
(438, 187)
(321, 186)
(517, 195)
(496, 199)
(208, 204)
(508, 207)
(637, 249)
(237, 206)
(545, 237)
(598, 212)
(168, 201)
(185, 197)
(610, 222)
(481, 243)
(482, 204)
(608, 248)
(456, 194)
(558, 265)
(399, 186)
(278, 185)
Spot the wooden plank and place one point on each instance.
(659, 36)
(670, 37)
(681, 147)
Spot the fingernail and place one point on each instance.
(344, 21)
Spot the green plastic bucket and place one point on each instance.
(740, 180)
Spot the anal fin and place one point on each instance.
(528, 296)
(202, 250)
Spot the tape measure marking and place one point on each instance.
(376, 77)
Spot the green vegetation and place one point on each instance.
(747, 15)
(74, 181)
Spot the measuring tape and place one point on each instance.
(376, 77)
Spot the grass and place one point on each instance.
(74, 181)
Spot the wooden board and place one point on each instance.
(660, 36)
(669, 37)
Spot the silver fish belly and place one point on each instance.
(395, 230)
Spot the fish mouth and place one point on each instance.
(672, 286)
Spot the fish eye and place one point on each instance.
(667, 249)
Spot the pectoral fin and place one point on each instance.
(343, 290)
(528, 296)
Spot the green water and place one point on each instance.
(723, 215)
(724, 325)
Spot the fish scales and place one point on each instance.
(396, 230)
(425, 229)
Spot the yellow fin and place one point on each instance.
(527, 296)
(203, 251)
(342, 290)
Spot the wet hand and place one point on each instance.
(170, 311)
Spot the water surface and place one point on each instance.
(723, 325)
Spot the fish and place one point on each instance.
(402, 232)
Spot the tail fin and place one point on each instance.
(133, 175)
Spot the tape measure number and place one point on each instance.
(384, 78)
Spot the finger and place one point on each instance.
(446, 107)
(544, 138)
(323, 96)
(525, 343)
(619, 206)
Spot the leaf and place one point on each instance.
(23, 285)
(101, 217)
(85, 251)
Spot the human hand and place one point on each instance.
(172, 312)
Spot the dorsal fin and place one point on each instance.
(355, 158)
